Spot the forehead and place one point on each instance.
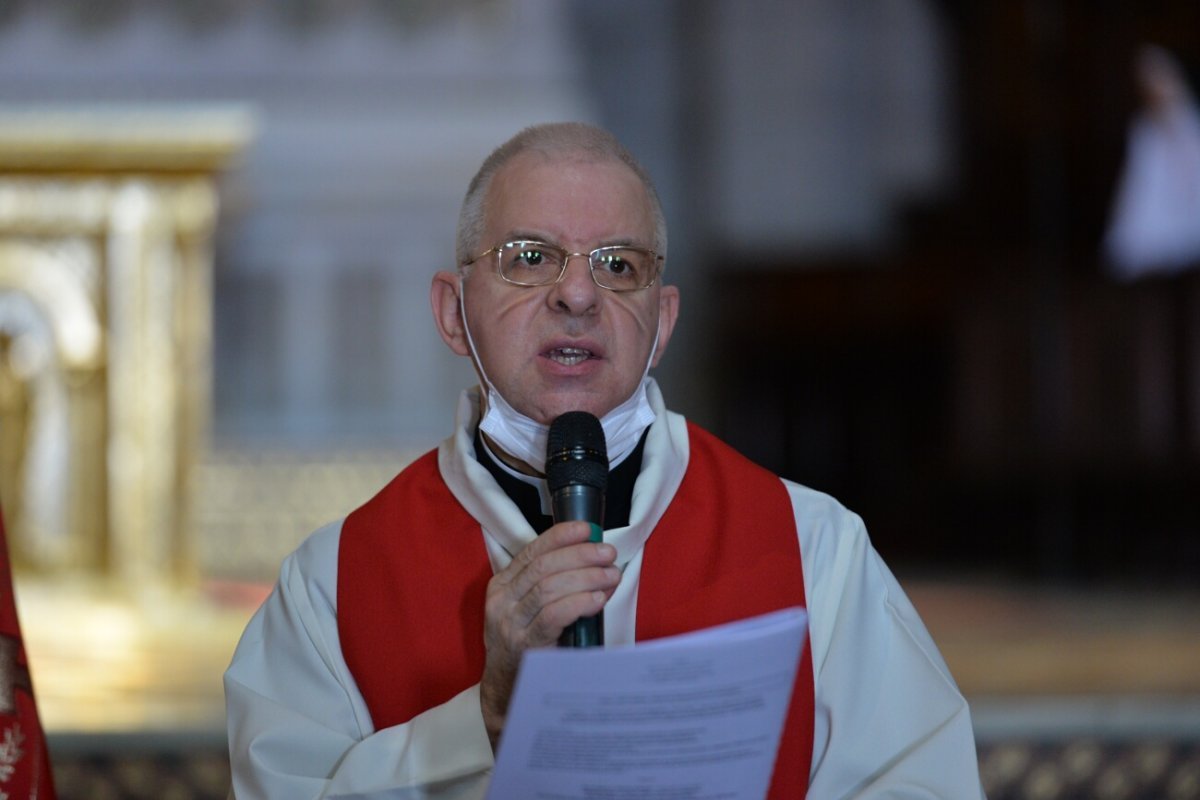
(574, 199)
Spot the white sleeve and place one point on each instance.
(298, 726)
(889, 719)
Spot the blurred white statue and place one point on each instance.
(1155, 224)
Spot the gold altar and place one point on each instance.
(106, 224)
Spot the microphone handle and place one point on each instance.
(581, 502)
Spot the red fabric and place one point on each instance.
(411, 605)
(413, 573)
(24, 759)
(727, 549)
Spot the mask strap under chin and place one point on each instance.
(475, 359)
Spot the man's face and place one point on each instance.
(572, 345)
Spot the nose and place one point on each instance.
(576, 292)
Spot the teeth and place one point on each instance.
(570, 355)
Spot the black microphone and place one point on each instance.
(577, 472)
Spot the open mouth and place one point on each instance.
(569, 356)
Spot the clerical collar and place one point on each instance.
(532, 497)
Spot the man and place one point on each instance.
(383, 662)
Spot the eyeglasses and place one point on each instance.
(531, 263)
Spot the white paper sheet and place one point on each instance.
(691, 717)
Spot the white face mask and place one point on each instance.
(525, 439)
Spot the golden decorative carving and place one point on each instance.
(129, 141)
(106, 218)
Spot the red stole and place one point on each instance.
(410, 604)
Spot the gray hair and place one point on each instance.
(556, 138)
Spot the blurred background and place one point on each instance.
(939, 259)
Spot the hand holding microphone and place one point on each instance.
(555, 573)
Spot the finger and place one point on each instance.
(557, 536)
(545, 628)
(560, 535)
(569, 557)
(555, 588)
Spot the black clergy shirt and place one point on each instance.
(617, 499)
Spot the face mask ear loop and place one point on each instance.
(486, 384)
(653, 350)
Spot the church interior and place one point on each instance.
(892, 224)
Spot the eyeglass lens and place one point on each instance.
(536, 264)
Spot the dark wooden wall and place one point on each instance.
(984, 394)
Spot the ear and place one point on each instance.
(668, 312)
(447, 313)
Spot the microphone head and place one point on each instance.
(576, 452)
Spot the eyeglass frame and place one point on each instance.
(658, 261)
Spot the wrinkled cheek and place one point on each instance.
(499, 323)
(642, 325)
(513, 342)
